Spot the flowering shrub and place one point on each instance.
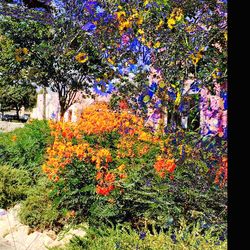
(108, 162)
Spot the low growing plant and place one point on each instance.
(14, 185)
(37, 210)
(25, 147)
(123, 237)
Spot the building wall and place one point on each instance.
(53, 107)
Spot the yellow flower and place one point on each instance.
(82, 57)
(19, 59)
(162, 84)
(14, 138)
(120, 14)
(175, 16)
(196, 57)
(225, 35)
(111, 61)
(160, 24)
(215, 74)
(146, 2)
(143, 40)
(139, 21)
(171, 23)
(124, 25)
(178, 99)
(140, 31)
(21, 52)
(157, 45)
(25, 51)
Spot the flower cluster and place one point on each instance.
(197, 56)
(125, 21)
(175, 17)
(70, 145)
(105, 183)
(96, 119)
(62, 154)
(164, 166)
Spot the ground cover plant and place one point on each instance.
(24, 148)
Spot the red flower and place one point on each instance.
(109, 177)
(123, 104)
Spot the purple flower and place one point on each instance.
(135, 45)
(142, 235)
(173, 237)
(102, 88)
(153, 87)
(89, 27)
(89, 6)
(100, 10)
(133, 68)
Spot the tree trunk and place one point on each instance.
(62, 112)
(163, 114)
(17, 112)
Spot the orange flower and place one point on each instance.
(102, 190)
(99, 175)
(163, 166)
(123, 176)
(121, 167)
(13, 138)
(109, 177)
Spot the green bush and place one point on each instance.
(123, 237)
(75, 190)
(14, 185)
(25, 147)
(37, 210)
(142, 197)
(193, 190)
(147, 198)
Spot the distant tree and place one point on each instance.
(15, 96)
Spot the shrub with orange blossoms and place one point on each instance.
(164, 166)
(70, 145)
